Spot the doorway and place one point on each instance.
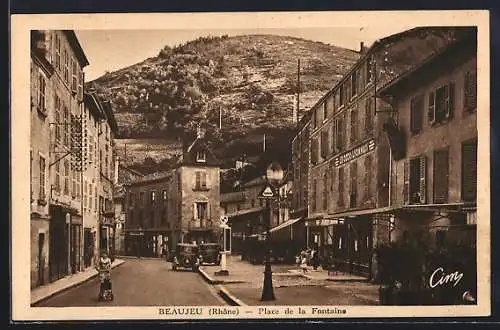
(41, 259)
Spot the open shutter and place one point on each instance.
(431, 110)
(195, 214)
(450, 101)
(80, 86)
(406, 185)
(209, 213)
(423, 176)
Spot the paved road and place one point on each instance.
(143, 282)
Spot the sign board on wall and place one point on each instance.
(354, 153)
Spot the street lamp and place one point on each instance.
(274, 175)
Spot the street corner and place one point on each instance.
(205, 274)
(229, 297)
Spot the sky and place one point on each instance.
(110, 50)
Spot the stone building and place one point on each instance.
(57, 95)
(348, 174)
(177, 206)
(434, 182)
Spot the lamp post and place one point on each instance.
(274, 175)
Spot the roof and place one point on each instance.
(156, 176)
(246, 211)
(258, 181)
(284, 224)
(94, 105)
(435, 59)
(189, 154)
(77, 48)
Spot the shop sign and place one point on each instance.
(354, 153)
(323, 222)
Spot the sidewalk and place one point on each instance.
(243, 285)
(45, 291)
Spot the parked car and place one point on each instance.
(186, 256)
(210, 253)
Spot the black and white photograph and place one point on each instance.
(250, 165)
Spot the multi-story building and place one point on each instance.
(181, 205)
(57, 95)
(148, 205)
(434, 186)
(98, 177)
(348, 174)
(245, 212)
(301, 152)
(123, 175)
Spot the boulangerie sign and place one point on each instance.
(175, 95)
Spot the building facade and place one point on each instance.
(178, 206)
(435, 183)
(57, 97)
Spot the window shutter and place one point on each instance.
(198, 178)
(469, 171)
(423, 188)
(195, 213)
(470, 91)
(416, 114)
(450, 101)
(332, 141)
(204, 179)
(208, 211)
(431, 110)
(406, 185)
(80, 85)
(441, 172)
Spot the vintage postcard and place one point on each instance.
(285, 165)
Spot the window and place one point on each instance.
(354, 184)
(74, 75)
(369, 115)
(340, 201)
(201, 156)
(314, 119)
(416, 114)
(201, 180)
(325, 148)
(95, 199)
(368, 176)
(315, 151)
(41, 94)
(325, 111)
(164, 195)
(354, 126)
(58, 52)
(65, 66)
(131, 199)
(332, 138)
(73, 184)
(66, 128)
(153, 197)
(369, 69)
(325, 190)
(41, 195)
(201, 211)
(332, 175)
(57, 183)
(336, 101)
(57, 103)
(342, 98)
(440, 175)
(354, 84)
(141, 197)
(440, 105)
(470, 91)
(414, 189)
(313, 195)
(252, 203)
(85, 192)
(340, 133)
(469, 171)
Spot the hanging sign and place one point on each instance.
(354, 153)
(267, 192)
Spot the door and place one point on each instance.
(41, 258)
(58, 242)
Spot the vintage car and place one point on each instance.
(186, 256)
(209, 253)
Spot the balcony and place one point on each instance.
(233, 197)
(197, 224)
(108, 212)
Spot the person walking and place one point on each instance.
(303, 262)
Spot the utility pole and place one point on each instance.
(298, 93)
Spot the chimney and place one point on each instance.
(362, 48)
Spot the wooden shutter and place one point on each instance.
(81, 78)
(204, 180)
(406, 184)
(423, 187)
(469, 171)
(440, 175)
(449, 100)
(332, 139)
(354, 125)
(198, 180)
(195, 213)
(208, 210)
(431, 109)
(416, 108)
(470, 91)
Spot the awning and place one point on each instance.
(284, 224)
(354, 213)
(243, 212)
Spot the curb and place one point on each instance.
(207, 277)
(144, 258)
(71, 286)
(227, 296)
